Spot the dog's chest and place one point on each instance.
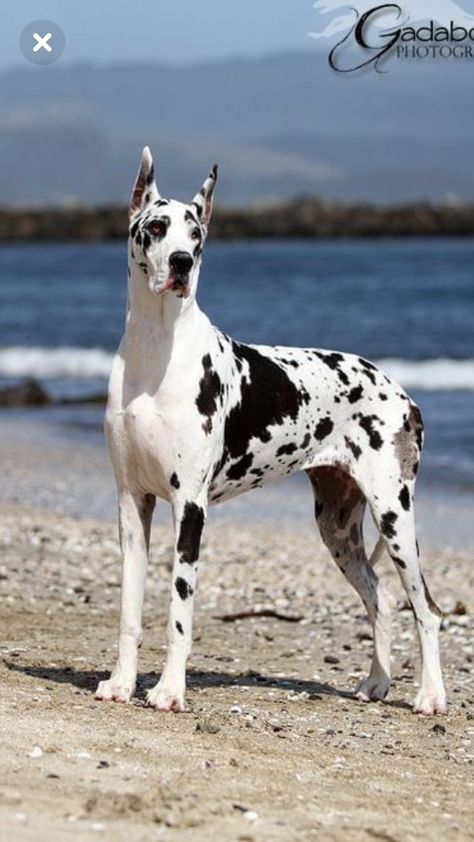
(143, 432)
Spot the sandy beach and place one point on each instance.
(272, 746)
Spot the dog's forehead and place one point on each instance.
(176, 212)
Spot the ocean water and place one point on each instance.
(406, 304)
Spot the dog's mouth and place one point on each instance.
(179, 284)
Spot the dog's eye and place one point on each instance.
(156, 228)
(196, 234)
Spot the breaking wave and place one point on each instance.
(55, 362)
(441, 374)
(49, 363)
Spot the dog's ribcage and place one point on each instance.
(276, 410)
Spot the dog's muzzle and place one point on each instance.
(181, 263)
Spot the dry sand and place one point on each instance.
(272, 746)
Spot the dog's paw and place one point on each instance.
(372, 689)
(428, 703)
(114, 690)
(166, 699)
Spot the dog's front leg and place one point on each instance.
(189, 517)
(135, 514)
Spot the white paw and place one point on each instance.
(166, 698)
(114, 690)
(372, 689)
(428, 703)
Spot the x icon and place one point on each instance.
(42, 42)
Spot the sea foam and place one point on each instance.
(440, 374)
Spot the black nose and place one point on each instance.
(181, 262)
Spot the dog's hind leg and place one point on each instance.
(339, 510)
(189, 517)
(393, 513)
(135, 515)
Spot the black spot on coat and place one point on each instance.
(190, 531)
(333, 361)
(240, 468)
(268, 397)
(182, 587)
(151, 175)
(368, 369)
(210, 388)
(353, 447)
(368, 365)
(286, 449)
(404, 498)
(417, 424)
(323, 428)
(375, 439)
(387, 523)
(355, 394)
(174, 481)
(189, 217)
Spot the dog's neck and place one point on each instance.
(161, 330)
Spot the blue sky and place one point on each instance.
(166, 30)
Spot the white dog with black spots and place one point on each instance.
(195, 418)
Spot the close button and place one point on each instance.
(42, 42)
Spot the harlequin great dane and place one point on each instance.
(195, 417)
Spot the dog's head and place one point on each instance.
(166, 237)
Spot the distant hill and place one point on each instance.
(279, 126)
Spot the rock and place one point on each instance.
(303, 216)
(438, 729)
(27, 393)
(93, 398)
(331, 659)
(207, 727)
(250, 815)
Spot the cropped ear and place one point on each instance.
(203, 200)
(145, 189)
